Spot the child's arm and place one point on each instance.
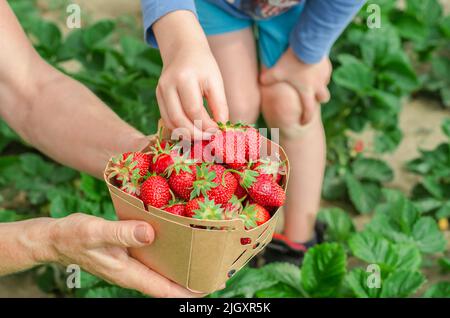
(305, 64)
(190, 71)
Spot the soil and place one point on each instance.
(420, 122)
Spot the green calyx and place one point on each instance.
(123, 168)
(204, 181)
(180, 163)
(248, 177)
(249, 215)
(208, 210)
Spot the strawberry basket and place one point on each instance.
(200, 255)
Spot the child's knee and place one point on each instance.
(282, 109)
(245, 105)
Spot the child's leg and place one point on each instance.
(282, 109)
(235, 53)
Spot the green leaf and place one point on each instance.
(62, 206)
(364, 196)
(339, 224)
(111, 292)
(357, 281)
(374, 250)
(9, 216)
(334, 187)
(246, 283)
(387, 141)
(439, 290)
(88, 280)
(443, 211)
(372, 169)
(323, 270)
(428, 237)
(91, 187)
(433, 186)
(284, 273)
(48, 35)
(427, 204)
(355, 76)
(446, 126)
(444, 263)
(97, 32)
(401, 284)
(398, 70)
(278, 291)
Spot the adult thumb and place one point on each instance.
(128, 233)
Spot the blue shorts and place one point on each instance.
(273, 33)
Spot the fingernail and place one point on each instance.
(141, 234)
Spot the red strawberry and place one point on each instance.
(229, 145)
(182, 175)
(262, 188)
(253, 143)
(192, 205)
(163, 153)
(124, 166)
(254, 215)
(214, 182)
(155, 191)
(359, 146)
(204, 209)
(176, 208)
(232, 208)
(274, 168)
(201, 152)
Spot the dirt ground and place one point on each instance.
(420, 122)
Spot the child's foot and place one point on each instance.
(282, 249)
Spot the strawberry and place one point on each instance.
(192, 205)
(253, 143)
(155, 191)
(274, 168)
(176, 208)
(229, 145)
(182, 174)
(358, 146)
(214, 182)
(200, 151)
(240, 191)
(232, 208)
(262, 188)
(254, 215)
(124, 166)
(163, 153)
(206, 209)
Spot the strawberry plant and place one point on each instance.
(432, 193)
(375, 69)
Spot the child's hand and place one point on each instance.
(190, 73)
(310, 81)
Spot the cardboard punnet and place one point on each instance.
(199, 259)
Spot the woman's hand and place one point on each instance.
(190, 73)
(96, 245)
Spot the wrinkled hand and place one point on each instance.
(99, 247)
(186, 77)
(309, 80)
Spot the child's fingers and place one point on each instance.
(177, 114)
(192, 101)
(163, 111)
(217, 102)
(309, 105)
(323, 95)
